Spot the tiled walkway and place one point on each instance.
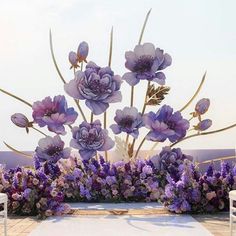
(217, 224)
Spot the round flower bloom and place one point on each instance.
(89, 138)
(128, 120)
(97, 86)
(202, 106)
(21, 121)
(146, 63)
(165, 124)
(54, 114)
(51, 149)
(203, 125)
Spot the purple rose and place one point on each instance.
(202, 106)
(51, 149)
(97, 86)
(146, 63)
(21, 121)
(128, 120)
(54, 114)
(203, 125)
(89, 138)
(165, 125)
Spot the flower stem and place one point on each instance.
(91, 118)
(195, 94)
(17, 151)
(145, 100)
(16, 97)
(204, 133)
(139, 147)
(60, 75)
(39, 131)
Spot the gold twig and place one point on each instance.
(16, 97)
(204, 133)
(17, 151)
(91, 117)
(217, 159)
(110, 48)
(145, 100)
(39, 131)
(195, 94)
(139, 147)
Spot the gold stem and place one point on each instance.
(195, 94)
(39, 131)
(145, 100)
(82, 64)
(17, 151)
(217, 159)
(91, 118)
(127, 140)
(139, 147)
(60, 75)
(16, 97)
(153, 147)
(204, 133)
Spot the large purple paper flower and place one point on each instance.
(146, 63)
(165, 125)
(128, 120)
(90, 138)
(51, 149)
(54, 114)
(97, 86)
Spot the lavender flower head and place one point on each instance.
(54, 114)
(165, 125)
(21, 121)
(51, 149)
(89, 138)
(146, 63)
(97, 86)
(128, 120)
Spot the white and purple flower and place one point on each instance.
(146, 63)
(89, 138)
(54, 114)
(51, 149)
(128, 120)
(165, 125)
(97, 86)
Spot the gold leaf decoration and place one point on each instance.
(121, 147)
(156, 95)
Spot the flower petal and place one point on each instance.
(87, 154)
(96, 107)
(160, 78)
(115, 129)
(71, 89)
(130, 78)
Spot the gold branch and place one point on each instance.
(17, 151)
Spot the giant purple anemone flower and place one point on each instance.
(51, 149)
(146, 63)
(165, 125)
(89, 138)
(54, 114)
(97, 86)
(128, 120)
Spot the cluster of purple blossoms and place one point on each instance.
(54, 114)
(97, 86)
(89, 138)
(128, 120)
(146, 63)
(31, 193)
(165, 125)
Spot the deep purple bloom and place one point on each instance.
(165, 125)
(51, 149)
(202, 106)
(128, 120)
(21, 121)
(203, 125)
(54, 114)
(146, 63)
(97, 86)
(89, 138)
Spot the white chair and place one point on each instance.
(3, 200)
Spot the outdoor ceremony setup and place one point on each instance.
(105, 182)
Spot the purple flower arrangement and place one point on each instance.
(169, 176)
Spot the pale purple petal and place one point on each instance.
(130, 78)
(96, 107)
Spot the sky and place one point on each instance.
(199, 35)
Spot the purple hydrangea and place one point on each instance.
(165, 125)
(97, 86)
(54, 114)
(89, 138)
(51, 149)
(146, 63)
(128, 120)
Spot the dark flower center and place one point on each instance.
(171, 125)
(96, 87)
(126, 122)
(54, 151)
(144, 64)
(49, 112)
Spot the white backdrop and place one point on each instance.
(199, 35)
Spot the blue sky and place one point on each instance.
(199, 35)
